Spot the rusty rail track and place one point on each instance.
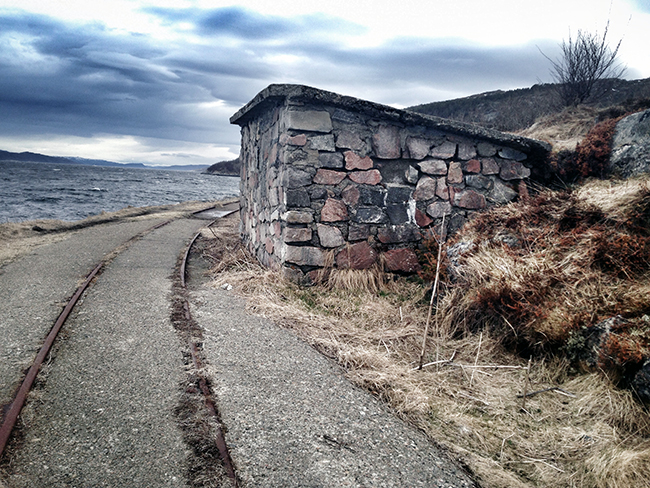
(195, 353)
(17, 404)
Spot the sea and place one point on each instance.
(69, 192)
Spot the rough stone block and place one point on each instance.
(466, 151)
(398, 194)
(322, 143)
(438, 209)
(502, 193)
(329, 177)
(298, 197)
(470, 199)
(297, 234)
(296, 178)
(509, 153)
(442, 190)
(372, 177)
(425, 189)
(486, 149)
(479, 181)
(393, 234)
(490, 167)
(346, 139)
(421, 218)
(398, 213)
(354, 161)
(446, 150)
(411, 175)
(356, 256)
(418, 148)
(334, 211)
(358, 232)
(373, 196)
(304, 255)
(268, 245)
(386, 143)
(512, 170)
(299, 140)
(436, 167)
(402, 261)
(370, 215)
(472, 166)
(330, 236)
(455, 174)
(297, 217)
(318, 193)
(351, 195)
(309, 120)
(331, 160)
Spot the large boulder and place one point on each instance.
(631, 146)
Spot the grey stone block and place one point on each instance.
(370, 215)
(308, 120)
(398, 213)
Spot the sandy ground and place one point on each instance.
(19, 238)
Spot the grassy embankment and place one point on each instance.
(531, 276)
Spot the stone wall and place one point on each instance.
(333, 181)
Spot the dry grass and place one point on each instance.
(373, 326)
(565, 129)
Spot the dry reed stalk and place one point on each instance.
(433, 294)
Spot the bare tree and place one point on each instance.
(584, 60)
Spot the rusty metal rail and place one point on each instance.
(194, 347)
(9, 420)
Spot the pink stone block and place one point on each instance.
(455, 174)
(490, 166)
(425, 189)
(354, 161)
(402, 260)
(372, 177)
(329, 177)
(334, 211)
(356, 256)
(473, 166)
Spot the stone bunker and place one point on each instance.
(333, 181)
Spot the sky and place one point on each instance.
(156, 81)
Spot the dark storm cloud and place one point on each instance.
(73, 79)
(242, 23)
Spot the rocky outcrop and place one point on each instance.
(630, 154)
(225, 168)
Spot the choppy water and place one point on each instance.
(30, 191)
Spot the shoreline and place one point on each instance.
(20, 238)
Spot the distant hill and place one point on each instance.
(515, 110)
(225, 168)
(30, 157)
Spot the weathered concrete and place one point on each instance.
(292, 418)
(105, 409)
(34, 288)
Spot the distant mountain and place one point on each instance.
(515, 110)
(225, 168)
(30, 157)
